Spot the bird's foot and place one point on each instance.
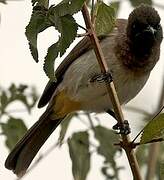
(122, 129)
(102, 77)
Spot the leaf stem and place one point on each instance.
(152, 141)
(112, 93)
(82, 121)
(81, 27)
(90, 120)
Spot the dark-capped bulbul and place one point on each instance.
(131, 52)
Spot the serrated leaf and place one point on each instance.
(68, 7)
(38, 23)
(68, 29)
(3, 100)
(49, 61)
(109, 175)
(67, 26)
(80, 155)
(14, 129)
(105, 19)
(44, 3)
(64, 127)
(107, 138)
(116, 6)
(136, 3)
(22, 88)
(34, 96)
(12, 88)
(154, 129)
(18, 93)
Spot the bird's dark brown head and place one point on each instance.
(144, 30)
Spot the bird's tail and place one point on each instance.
(25, 150)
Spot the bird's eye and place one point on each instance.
(157, 26)
(134, 26)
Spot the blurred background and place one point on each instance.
(17, 66)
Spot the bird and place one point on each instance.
(131, 50)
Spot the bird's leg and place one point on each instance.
(120, 128)
(102, 77)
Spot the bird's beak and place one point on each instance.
(150, 29)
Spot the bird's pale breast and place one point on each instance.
(93, 95)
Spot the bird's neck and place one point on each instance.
(136, 57)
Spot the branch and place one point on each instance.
(112, 93)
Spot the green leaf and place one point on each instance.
(68, 29)
(12, 88)
(80, 156)
(105, 18)
(3, 1)
(116, 6)
(34, 97)
(67, 26)
(136, 3)
(3, 101)
(154, 129)
(107, 138)
(64, 127)
(44, 3)
(49, 61)
(68, 7)
(108, 175)
(18, 93)
(14, 129)
(38, 23)
(22, 88)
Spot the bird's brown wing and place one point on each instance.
(82, 47)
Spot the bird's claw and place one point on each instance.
(123, 128)
(103, 77)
